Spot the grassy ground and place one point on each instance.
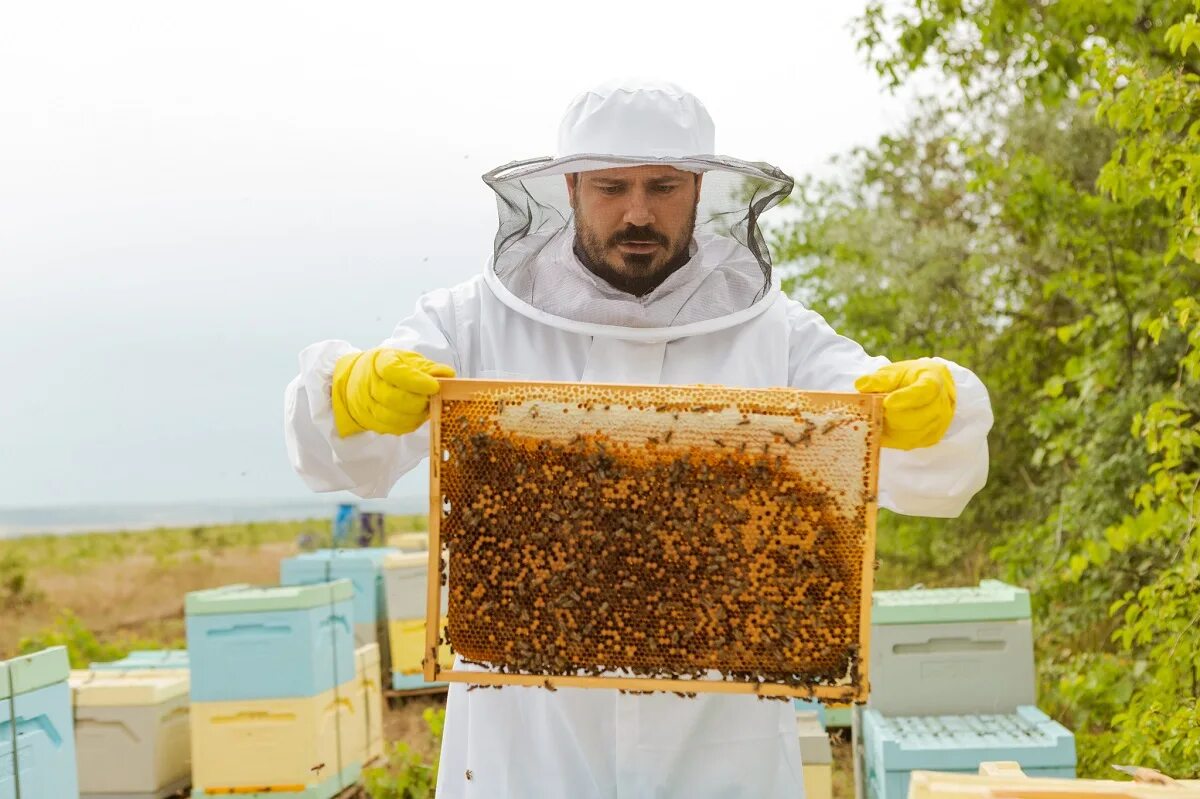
(103, 594)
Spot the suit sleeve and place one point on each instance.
(931, 481)
(367, 464)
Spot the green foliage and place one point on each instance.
(407, 775)
(82, 645)
(161, 544)
(1040, 224)
(16, 587)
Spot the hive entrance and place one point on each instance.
(655, 538)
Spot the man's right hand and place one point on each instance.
(384, 390)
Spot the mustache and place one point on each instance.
(639, 234)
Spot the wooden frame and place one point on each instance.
(462, 389)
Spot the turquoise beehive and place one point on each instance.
(362, 567)
(270, 643)
(37, 733)
(894, 747)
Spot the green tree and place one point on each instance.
(1039, 223)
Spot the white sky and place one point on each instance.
(192, 193)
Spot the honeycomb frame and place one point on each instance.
(747, 443)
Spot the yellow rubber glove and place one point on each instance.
(384, 390)
(919, 404)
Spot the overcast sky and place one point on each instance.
(192, 193)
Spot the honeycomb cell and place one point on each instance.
(669, 531)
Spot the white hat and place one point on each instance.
(637, 119)
(632, 122)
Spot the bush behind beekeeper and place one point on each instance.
(634, 256)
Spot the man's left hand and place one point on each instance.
(919, 403)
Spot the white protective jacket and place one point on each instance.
(583, 743)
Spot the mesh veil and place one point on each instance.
(535, 212)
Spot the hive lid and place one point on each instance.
(407, 560)
(123, 689)
(80, 676)
(350, 554)
(159, 655)
(149, 659)
(26, 673)
(410, 541)
(248, 599)
(991, 600)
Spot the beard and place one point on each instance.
(634, 273)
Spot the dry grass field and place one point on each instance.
(102, 594)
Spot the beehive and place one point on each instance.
(37, 731)
(896, 747)
(131, 732)
(655, 537)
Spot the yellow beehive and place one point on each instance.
(276, 745)
(818, 781)
(369, 679)
(665, 532)
(407, 637)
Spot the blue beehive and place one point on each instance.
(146, 659)
(269, 643)
(35, 715)
(810, 706)
(362, 567)
(897, 746)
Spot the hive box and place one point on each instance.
(951, 650)
(895, 747)
(263, 643)
(297, 746)
(405, 581)
(35, 715)
(408, 649)
(404, 578)
(368, 676)
(816, 756)
(131, 733)
(363, 567)
(964, 667)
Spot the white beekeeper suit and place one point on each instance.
(537, 313)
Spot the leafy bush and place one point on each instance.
(407, 775)
(82, 645)
(16, 588)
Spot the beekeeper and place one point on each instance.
(634, 256)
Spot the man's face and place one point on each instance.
(635, 223)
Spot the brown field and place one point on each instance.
(139, 596)
(135, 599)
